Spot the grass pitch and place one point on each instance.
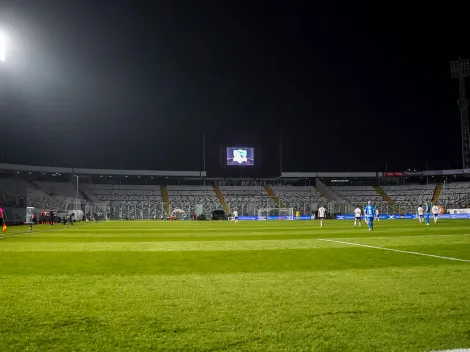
(255, 286)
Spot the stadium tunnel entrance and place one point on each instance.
(219, 214)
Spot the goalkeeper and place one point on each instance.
(370, 213)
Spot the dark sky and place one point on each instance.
(135, 84)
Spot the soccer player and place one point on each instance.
(357, 215)
(427, 213)
(321, 215)
(420, 214)
(71, 218)
(377, 214)
(370, 213)
(297, 214)
(435, 213)
(235, 216)
(51, 217)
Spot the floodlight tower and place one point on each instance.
(461, 69)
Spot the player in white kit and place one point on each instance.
(435, 213)
(377, 214)
(321, 215)
(357, 217)
(421, 214)
(235, 216)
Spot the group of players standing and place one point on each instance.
(425, 213)
(371, 214)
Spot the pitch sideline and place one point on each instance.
(56, 228)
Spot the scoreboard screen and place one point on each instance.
(240, 156)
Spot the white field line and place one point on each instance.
(396, 250)
(456, 350)
(408, 236)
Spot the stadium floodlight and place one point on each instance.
(460, 68)
(3, 46)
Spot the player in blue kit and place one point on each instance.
(427, 213)
(370, 213)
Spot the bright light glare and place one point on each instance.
(3, 46)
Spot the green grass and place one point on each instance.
(255, 286)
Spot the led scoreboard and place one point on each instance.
(240, 156)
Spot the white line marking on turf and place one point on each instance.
(456, 350)
(395, 250)
(415, 236)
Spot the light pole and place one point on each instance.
(76, 197)
(461, 69)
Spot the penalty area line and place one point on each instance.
(395, 250)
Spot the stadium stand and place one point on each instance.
(63, 192)
(13, 192)
(455, 195)
(409, 197)
(63, 189)
(360, 195)
(221, 198)
(120, 201)
(274, 197)
(247, 199)
(301, 198)
(127, 201)
(18, 193)
(186, 197)
(391, 206)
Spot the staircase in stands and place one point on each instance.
(437, 193)
(166, 198)
(273, 196)
(387, 198)
(222, 201)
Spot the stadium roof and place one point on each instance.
(199, 174)
(80, 171)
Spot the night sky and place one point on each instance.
(136, 84)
